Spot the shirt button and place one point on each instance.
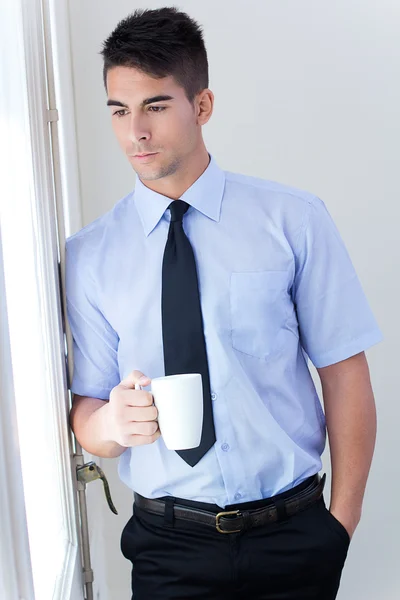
(213, 396)
(225, 447)
(238, 496)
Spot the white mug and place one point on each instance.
(179, 401)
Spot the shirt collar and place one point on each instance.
(205, 195)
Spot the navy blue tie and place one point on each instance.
(182, 322)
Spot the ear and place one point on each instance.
(204, 106)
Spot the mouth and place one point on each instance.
(144, 156)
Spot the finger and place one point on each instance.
(137, 398)
(145, 429)
(135, 377)
(139, 440)
(136, 440)
(145, 413)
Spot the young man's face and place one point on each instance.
(169, 128)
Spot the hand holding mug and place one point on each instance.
(132, 416)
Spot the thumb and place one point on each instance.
(135, 377)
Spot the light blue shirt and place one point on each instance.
(276, 285)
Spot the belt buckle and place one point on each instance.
(224, 514)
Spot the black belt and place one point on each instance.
(234, 521)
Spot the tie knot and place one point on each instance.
(178, 209)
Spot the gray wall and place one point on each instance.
(307, 93)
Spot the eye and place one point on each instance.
(118, 112)
(158, 108)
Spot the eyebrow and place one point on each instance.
(144, 103)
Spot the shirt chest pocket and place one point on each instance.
(259, 305)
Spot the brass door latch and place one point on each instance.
(90, 472)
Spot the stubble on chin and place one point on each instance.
(147, 175)
(153, 175)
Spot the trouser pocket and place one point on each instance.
(336, 525)
(127, 541)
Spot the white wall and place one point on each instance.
(307, 93)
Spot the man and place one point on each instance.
(262, 281)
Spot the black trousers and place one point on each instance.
(299, 558)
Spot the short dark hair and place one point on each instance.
(159, 42)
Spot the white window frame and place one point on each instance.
(15, 566)
(36, 37)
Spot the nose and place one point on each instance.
(139, 130)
